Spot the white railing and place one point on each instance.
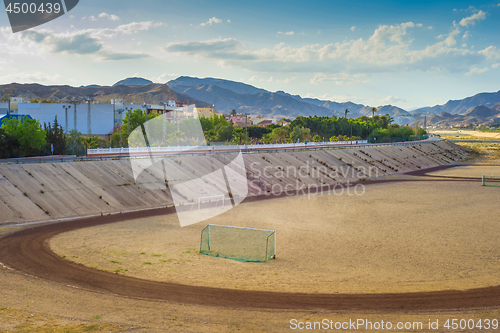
(138, 150)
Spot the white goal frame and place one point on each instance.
(212, 196)
(229, 226)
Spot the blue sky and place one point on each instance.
(408, 54)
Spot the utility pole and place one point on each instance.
(416, 125)
(246, 127)
(66, 107)
(163, 129)
(89, 100)
(74, 134)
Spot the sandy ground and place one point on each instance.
(411, 236)
(62, 308)
(492, 135)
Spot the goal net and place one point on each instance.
(238, 243)
(491, 180)
(211, 201)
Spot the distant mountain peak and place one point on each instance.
(133, 81)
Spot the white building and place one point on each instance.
(103, 117)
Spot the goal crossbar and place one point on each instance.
(220, 196)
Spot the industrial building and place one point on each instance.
(103, 118)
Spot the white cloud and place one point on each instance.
(288, 33)
(430, 27)
(388, 49)
(353, 28)
(286, 80)
(466, 35)
(223, 49)
(394, 99)
(30, 77)
(111, 17)
(85, 42)
(471, 20)
(339, 79)
(337, 98)
(228, 21)
(475, 70)
(135, 27)
(419, 25)
(211, 21)
(164, 77)
(490, 53)
(495, 65)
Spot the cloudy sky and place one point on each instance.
(409, 54)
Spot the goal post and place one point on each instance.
(491, 180)
(238, 243)
(211, 199)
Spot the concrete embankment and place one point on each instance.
(51, 191)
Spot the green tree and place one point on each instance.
(267, 138)
(300, 133)
(224, 132)
(74, 144)
(9, 146)
(257, 132)
(56, 137)
(233, 113)
(316, 138)
(28, 133)
(280, 134)
(374, 109)
(345, 113)
(90, 142)
(5, 98)
(133, 119)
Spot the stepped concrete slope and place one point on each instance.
(44, 192)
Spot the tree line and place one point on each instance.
(26, 137)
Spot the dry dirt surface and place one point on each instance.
(28, 251)
(393, 238)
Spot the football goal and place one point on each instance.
(491, 180)
(213, 200)
(238, 243)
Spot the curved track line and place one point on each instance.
(28, 251)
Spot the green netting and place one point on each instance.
(491, 180)
(241, 244)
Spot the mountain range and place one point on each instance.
(227, 95)
(462, 106)
(136, 94)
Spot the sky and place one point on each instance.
(409, 54)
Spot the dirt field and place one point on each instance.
(460, 251)
(401, 237)
(486, 135)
